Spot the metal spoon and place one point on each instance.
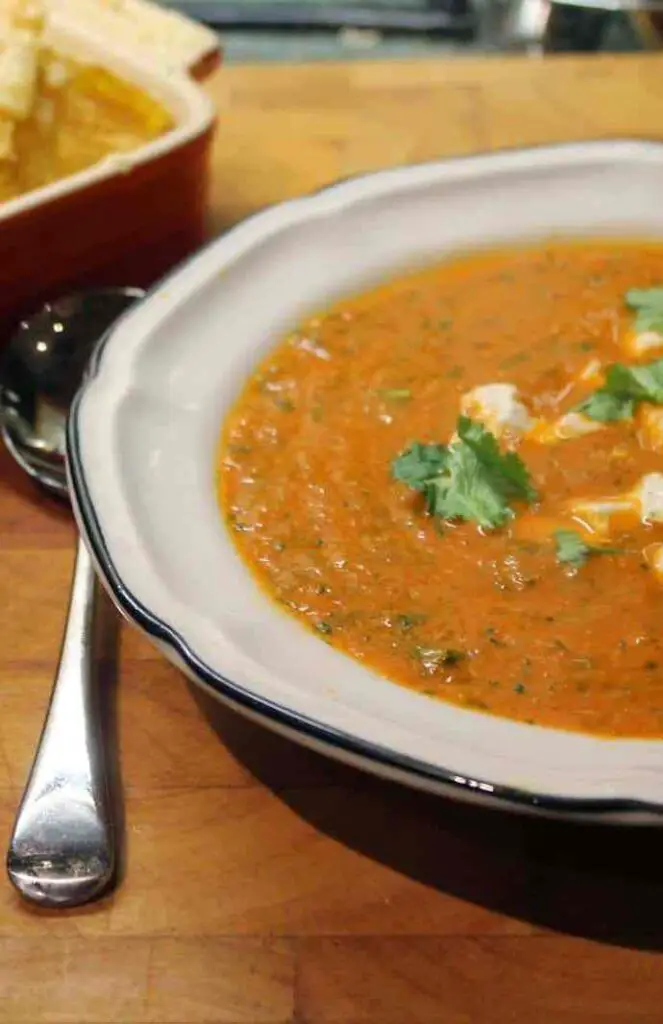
(62, 849)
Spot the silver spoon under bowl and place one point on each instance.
(62, 850)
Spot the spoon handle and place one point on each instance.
(62, 850)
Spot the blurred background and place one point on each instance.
(287, 30)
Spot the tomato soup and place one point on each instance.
(456, 478)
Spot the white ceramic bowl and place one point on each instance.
(144, 430)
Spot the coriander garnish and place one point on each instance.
(624, 388)
(572, 549)
(408, 622)
(647, 303)
(396, 394)
(433, 658)
(469, 479)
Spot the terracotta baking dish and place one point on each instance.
(125, 220)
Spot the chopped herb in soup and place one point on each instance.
(457, 478)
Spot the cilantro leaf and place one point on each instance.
(572, 549)
(605, 407)
(644, 383)
(434, 658)
(647, 303)
(395, 394)
(624, 386)
(469, 479)
(420, 463)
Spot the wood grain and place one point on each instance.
(262, 884)
(284, 130)
(466, 979)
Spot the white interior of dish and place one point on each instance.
(191, 108)
(149, 424)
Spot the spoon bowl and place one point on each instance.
(43, 365)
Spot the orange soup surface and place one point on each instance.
(554, 617)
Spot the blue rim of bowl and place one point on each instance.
(497, 795)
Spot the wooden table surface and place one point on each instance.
(262, 884)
